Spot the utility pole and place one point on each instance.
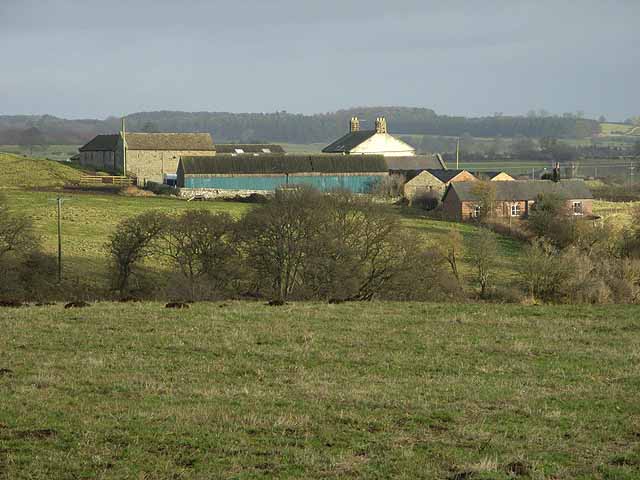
(458, 154)
(59, 202)
(124, 148)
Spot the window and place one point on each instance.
(577, 208)
(515, 210)
(476, 211)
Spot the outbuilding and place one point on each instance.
(247, 174)
(432, 183)
(515, 199)
(147, 156)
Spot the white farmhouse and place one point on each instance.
(370, 142)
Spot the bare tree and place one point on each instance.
(451, 248)
(16, 232)
(483, 250)
(200, 244)
(279, 235)
(131, 243)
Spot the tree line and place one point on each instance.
(292, 128)
(306, 245)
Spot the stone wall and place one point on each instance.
(212, 194)
(152, 165)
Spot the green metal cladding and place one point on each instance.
(353, 183)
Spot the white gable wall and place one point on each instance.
(384, 144)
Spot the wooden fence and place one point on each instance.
(106, 180)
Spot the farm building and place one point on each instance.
(514, 199)
(494, 176)
(432, 183)
(370, 142)
(147, 156)
(246, 174)
(249, 149)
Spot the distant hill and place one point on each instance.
(287, 127)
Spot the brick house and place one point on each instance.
(433, 183)
(148, 156)
(515, 198)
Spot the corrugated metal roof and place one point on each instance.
(415, 163)
(525, 190)
(248, 148)
(246, 164)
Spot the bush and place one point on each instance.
(200, 245)
(482, 251)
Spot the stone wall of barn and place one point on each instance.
(106, 161)
(153, 165)
(426, 184)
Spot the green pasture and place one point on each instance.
(366, 390)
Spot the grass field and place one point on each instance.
(52, 152)
(375, 390)
(619, 129)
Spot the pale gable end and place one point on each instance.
(384, 144)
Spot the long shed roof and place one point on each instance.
(243, 164)
(249, 148)
(415, 163)
(525, 190)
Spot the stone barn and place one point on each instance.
(515, 198)
(245, 174)
(432, 183)
(147, 156)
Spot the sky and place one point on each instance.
(100, 58)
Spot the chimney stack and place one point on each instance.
(381, 125)
(355, 125)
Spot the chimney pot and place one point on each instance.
(355, 125)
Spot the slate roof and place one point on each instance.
(525, 190)
(415, 163)
(152, 141)
(249, 148)
(169, 141)
(101, 143)
(274, 164)
(445, 176)
(350, 141)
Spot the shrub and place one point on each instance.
(200, 245)
(482, 250)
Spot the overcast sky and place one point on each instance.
(96, 58)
